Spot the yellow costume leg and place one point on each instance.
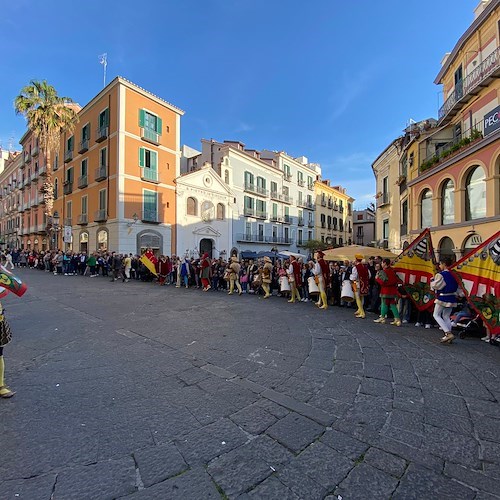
(5, 392)
(297, 294)
(238, 285)
(265, 286)
(231, 287)
(324, 300)
(292, 292)
(360, 313)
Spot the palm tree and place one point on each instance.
(48, 115)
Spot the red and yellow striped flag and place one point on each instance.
(478, 274)
(149, 260)
(416, 266)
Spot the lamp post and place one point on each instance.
(54, 228)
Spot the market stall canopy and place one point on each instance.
(248, 255)
(348, 252)
(287, 253)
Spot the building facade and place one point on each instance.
(273, 194)
(10, 199)
(363, 223)
(333, 214)
(456, 186)
(204, 214)
(113, 176)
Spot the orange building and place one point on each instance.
(113, 176)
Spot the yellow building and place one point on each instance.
(113, 176)
(10, 200)
(333, 214)
(456, 187)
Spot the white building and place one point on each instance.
(204, 214)
(273, 195)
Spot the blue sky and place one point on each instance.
(332, 80)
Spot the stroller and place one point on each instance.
(467, 322)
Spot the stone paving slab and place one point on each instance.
(184, 395)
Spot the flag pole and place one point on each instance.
(103, 59)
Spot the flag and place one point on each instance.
(416, 266)
(11, 283)
(478, 274)
(149, 260)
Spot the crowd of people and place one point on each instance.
(369, 285)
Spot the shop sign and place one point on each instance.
(492, 121)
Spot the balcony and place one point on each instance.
(349, 230)
(310, 186)
(279, 240)
(43, 170)
(251, 238)
(27, 157)
(34, 175)
(323, 203)
(323, 225)
(275, 195)
(83, 181)
(253, 188)
(287, 219)
(301, 182)
(150, 216)
(341, 209)
(82, 219)
(150, 136)
(100, 215)
(259, 214)
(310, 223)
(27, 181)
(150, 175)
(67, 187)
(383, 199)
(68, 221)
(302, 203)
(310, 205)
(477, 79)
(248, 212)
(330, 204)
(84, 146)
(286, 199)
(35, 201)
(274, 218)
(38, 228)
(336, 207)
(300, 221)
(101, 173)
(34, 152)
(68, 156)
(302, 243)
(287, 177)
(101, 134)
(23, 161)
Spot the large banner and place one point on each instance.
(416, 266)
(149, 260)
(478, 273)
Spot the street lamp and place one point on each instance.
(54, 228)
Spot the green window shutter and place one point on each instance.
(287, 211)
(141, 157)
(142, 115)
(158, 125)
(154, 160)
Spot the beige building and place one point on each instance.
(363, 225)
(10, 199)
(333, 214)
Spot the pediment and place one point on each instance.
(206, 231)
(206, 179)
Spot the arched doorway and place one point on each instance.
(150, 240)
(84, 241)
(446, 247)
(470, 243)
(206, 246)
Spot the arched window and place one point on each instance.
(207, 211)
(56, 189)
(84, 241)
(475, 194)
(102, 240)
(220, 211)
(448, 203)
(192, 206)
(426, 209)
(446, 247)
(226, 176)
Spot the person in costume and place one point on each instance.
(5, 338)
(445, 285)
(321, 272)
(360, 280)
(294, 278)
(234, 275)
(388, 281)
(206, 269)
(162, 268)
(267, 274)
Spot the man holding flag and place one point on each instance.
(150, 261)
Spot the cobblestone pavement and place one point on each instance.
(136, 391)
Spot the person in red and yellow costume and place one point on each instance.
(388, 281)
(295, 279)
(321, 272)
(206, 268)
(360, 280)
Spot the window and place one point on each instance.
(286, 170)
(84, 241)
(426, 209)
(104, 118)
(385, 229)
(56, 161)
(249, 179)
(84, 204)
(220, 211)
(261, 185)
(448, 203)
(103, 157)
(69, 209)
(149, 121)
(69, 175)
(148, 160)
(475, 194)
(274, 187)
(102, 240)
(446, 247)
(309, 181)
(70, 143)
(86, 133)
(102, 199)
(226, 176)
(249, 203)
(84, 168)
(404, 217)
(192, 206)
(275, 210)
(150, 206)
(300, 198)
(56, 189)
(287, 234)
(341, 224)
(261, 207)
(299, 237)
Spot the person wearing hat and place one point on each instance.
(294, 278)
(206, 269)
(388, 281)
(360, 280)
(267, 272)
(234, 273)
(322, 274)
